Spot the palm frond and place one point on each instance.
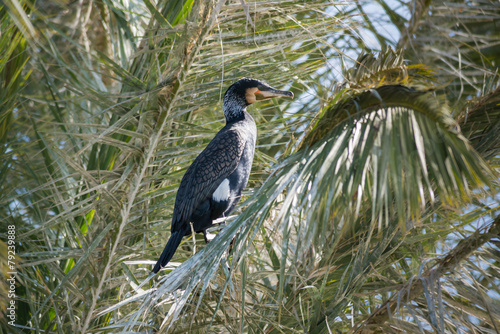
(480, 123)
(437, 295)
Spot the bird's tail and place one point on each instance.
(169, 250)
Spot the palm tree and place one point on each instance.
(373, 200)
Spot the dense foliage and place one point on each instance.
(373, 203)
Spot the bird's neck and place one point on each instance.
(234, 110)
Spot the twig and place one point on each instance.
(194, 238)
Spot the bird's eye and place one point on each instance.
(261, 88)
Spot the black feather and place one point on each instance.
(169, 250)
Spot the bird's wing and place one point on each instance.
(217, 161)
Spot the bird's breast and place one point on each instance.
(238, 180)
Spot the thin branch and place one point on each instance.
(415, 288)
(247, 13)
(419, 12)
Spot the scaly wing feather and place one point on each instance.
(217, 161)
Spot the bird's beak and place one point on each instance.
(267, 94)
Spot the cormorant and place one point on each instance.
(212, 185)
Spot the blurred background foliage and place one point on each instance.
(373, 201)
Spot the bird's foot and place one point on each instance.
(208, 236)
(222, 220)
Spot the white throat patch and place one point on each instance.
(222, 191)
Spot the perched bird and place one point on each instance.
(212, 185)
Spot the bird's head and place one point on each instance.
(247, 91)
